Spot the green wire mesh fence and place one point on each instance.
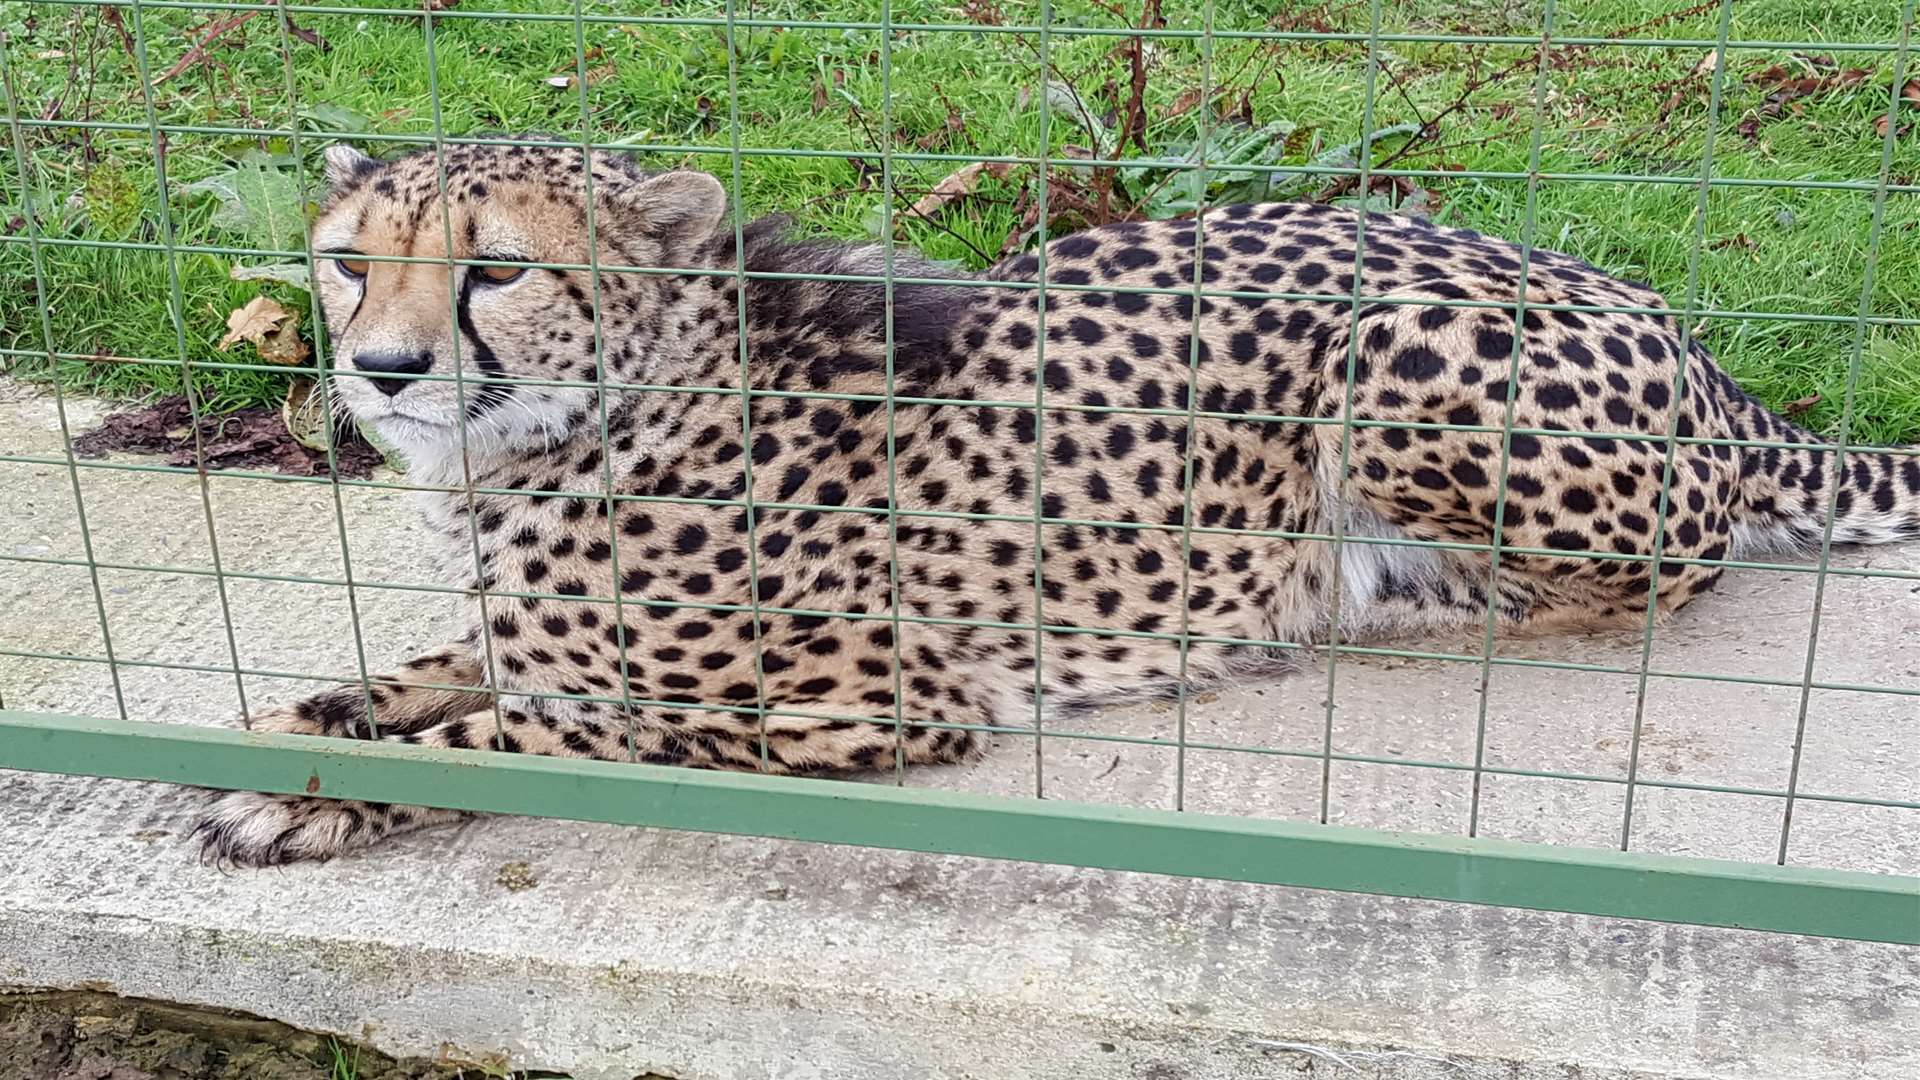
(275, 95)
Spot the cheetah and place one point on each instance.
(667, 493)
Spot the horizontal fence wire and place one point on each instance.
(731, 21)
(902, 518)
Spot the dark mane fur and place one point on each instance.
(849, 311)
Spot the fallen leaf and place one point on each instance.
(252, 322)
(284, 346)
(956, 185)
(1795, 408)
(1184, 102)
(1737, 240)
(1708, 64)
(304, 411)
(561, 81)
(820, 100)
(1910, 93)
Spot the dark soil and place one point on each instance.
(81, 1035)
(252, 438)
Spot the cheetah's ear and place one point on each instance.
(346, 164)
(679, 207)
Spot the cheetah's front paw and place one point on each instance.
(250, 828)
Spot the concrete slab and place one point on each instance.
(615, 952)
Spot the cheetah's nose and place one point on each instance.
(393, 363)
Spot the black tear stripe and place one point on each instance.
(488, 396)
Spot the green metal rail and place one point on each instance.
(1711, 892)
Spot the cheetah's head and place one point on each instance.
(434, 355)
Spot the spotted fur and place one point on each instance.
(962, 657)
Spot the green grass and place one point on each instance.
(1617, 110)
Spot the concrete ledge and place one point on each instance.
(615, 952)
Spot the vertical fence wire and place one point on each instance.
(322, 378)
(735, 189)
(1875, 233)
(23, 166)
(177, 310)
(1688, 313)
(480, 583)
(1200, 304)
(887, 253)
(1040, 401)
(607, 504)
(1529, 236)
(1338, 509)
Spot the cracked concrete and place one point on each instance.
(614, 952)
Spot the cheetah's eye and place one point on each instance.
(500, 275)
(353, 268)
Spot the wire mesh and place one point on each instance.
(1882, 51)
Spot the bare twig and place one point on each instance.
(859, 115)
(198, 52)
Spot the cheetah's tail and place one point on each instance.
(1786, 492)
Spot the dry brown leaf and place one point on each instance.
(1708, 64)
(273, 330)
(957, 185)
(595, 76)
(820, 100)
(1795, 408)
(284, 346)
(1184, 102)
(1910, 93)
(304, 411)
(253, 322)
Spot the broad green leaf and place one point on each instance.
(333, 117)
(262, 205)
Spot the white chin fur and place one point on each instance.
(516, 425)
